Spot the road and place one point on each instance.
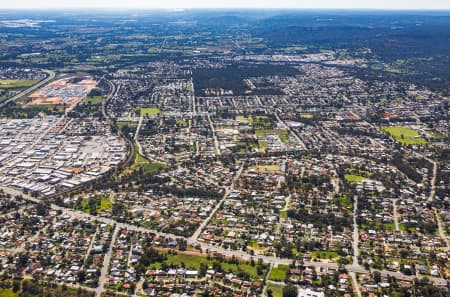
(395, 214)
(266, 280)
(441, 229)
(136, 136)
(112, 92)
(216, 141)
(225, 196)
(194, 101)
(355, 283)
(226, 252)
(431, 198)
(91, 244)
(290, 131)
(355, 232)
(105, 269)
(51, 75)
(433, 179)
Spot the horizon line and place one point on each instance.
(222, 8)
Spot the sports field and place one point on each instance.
(404, 135)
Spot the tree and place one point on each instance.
(259, 269)
(269, 293)
(203, 269)
(377, 276)
(16, 286)
(81, 276)
(290, 291)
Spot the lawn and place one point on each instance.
(279, 274)
(150, 111)
(354, 178)
(268, 167)
(262, 132)
(105, 204)
(262, 144)
(152, 167)
(357, 172)
(282, 134)
(182, 123)
(404, 135)
(283, 214)
(324, 255)
(96, 100)
(7, 293)
(389, 226)
(139, 159)
(101, 204)
(191, 261)
(22, 83)
(121, 124)
(437, 135)
(343, 201)
(277, 290)
(284, 138)
(392, 70)
(306, 116)
(255, 120)
(147, 165)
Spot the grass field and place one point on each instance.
(357, 172)
(324, 255)
(191, 261)
(121, 124)
(150, 111)
(152, 167)
(12, 84)
(269, 167)
(253, 119)
(437, 135)
(7, 293)
(343, 201)
(138, 158)
(262, 132)
(283, 214)
(404, 135)
(182, 123)
(277, 290)
(284, 138)
(282, 134)
(306, 116)
(262, 144)
(105, 204)
(279, 274)
(351, 178)
(96, 100)
(147, 165)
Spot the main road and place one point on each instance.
(218, 249)
(51, 75)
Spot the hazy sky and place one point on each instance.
(377, 4)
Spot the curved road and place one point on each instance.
(51, 75)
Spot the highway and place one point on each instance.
(51, 75)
